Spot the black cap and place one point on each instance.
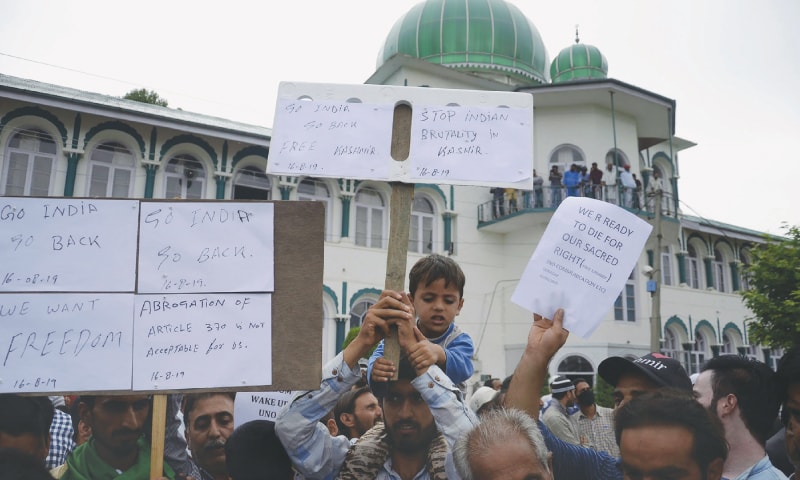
(253, 452)
(661, 369)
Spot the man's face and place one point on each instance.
(793, 425)
(571, 398)
(704, 392)
(497, 384)
(366, 413)
(662, 452)
(408, 419)
(508, 461)
(436, 307)
(208, 426)
(581, 387)
(26, 442)
(631, 385)
(116, 422)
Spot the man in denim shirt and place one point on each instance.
(423, 412)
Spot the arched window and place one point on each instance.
(692, 268)
(727, 344)
(698, 353)
(575, 366)
(310, 189)
(30, 164)
(672, 347)
(370, 218)
(625, 304)
(112, 169)
(252, 183)
(421, 233)
(185, 178)
(616, 158)
(666, 266)
(718, 265)
(743, 275)
(359, 311)
(565, 155)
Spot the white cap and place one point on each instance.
(481, 397)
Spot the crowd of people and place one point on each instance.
(614, 185)
(413, 420)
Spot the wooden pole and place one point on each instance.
(399, 221)
(157, 438)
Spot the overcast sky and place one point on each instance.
(733, 66)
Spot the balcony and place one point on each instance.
(513, 211)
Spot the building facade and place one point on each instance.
(56, 141)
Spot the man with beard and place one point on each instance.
(595, 423)
(423, 411)
(117, 448)
(560, 423)
(743, 394)
(356, 412)
(208, 420)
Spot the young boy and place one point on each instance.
(436, 286)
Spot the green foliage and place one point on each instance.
(146, 96)
(774, 291)
(351, 335)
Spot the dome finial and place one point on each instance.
(577, 38)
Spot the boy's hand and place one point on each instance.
(388, 311)
(382, 370)
(422, 354)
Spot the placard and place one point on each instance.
(471, 144)
(213, 340)
(335, 139)
(259, 406)
(57, 342)
(582, 262)
(206, 247)
(76, 245)
(460, 137)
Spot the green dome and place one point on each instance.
(578, 62)
(476, 36)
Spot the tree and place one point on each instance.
(774, 291)
(351, 335)
(146, 96)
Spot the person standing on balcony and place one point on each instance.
(610, 183)
(655, 184)
(572, 180)
(538, 191)
(596, 180)
(628, 186)
(555, 186)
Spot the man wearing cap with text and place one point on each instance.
(630, 378)
(557, 419)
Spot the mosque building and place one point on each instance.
(56, 141)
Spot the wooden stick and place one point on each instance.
(399, 221)
(157, 438)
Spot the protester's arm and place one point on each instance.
(571, 461)
(453, 417)
(313, 451)
(459, 358)
(544, 340)
(174, 443)
(376, 355)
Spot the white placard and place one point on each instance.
(59, 244)
(58, 342)
(582, 262)
(471, 143)
(259, 405)
(459, 137)
(334, 139)
(202, 340)
(206, 247)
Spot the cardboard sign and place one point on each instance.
(203, 320)
(259, 406)
(582, 262)
(459, 137)
(77, 245)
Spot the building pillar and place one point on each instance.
(345, 198)
(222, 179)
(150, 169)
(735, 276)
(341, 330)
(709, 272)
(73, 157)
(681, 267)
